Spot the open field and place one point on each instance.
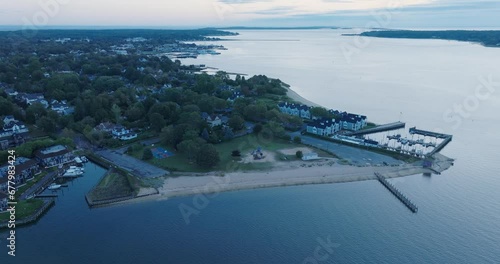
(23, 209)
(246, 145)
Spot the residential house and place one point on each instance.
(53, 156)
(3, 201)
(212, 120)
(26, 169)
(30, 99)
(13, 132)
(105, 127)
(11, 92)
(61, 108)
(122, 133)
(235, 95)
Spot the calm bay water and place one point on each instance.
(459, 211)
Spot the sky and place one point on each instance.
(261, 13)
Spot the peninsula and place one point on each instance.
(487, 38)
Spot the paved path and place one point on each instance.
(354, 155)
(135, 166)
(39, 186)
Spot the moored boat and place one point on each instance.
(54, 186)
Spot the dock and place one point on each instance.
(377, 129)
(397, 193)
(46, 196)
(446, 141)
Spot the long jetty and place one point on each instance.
(377, 129)
(397, 193)
(446, 141)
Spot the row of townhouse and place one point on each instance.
(324, 127)
(117, 131)
(299, 110)
(346, 121)
(353, 122)
(25, 170)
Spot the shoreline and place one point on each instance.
(297, 97)
(318, 172)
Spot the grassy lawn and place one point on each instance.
(23, 209)
(369, 125)
(28, 185)
(114, 185)
(244, 144)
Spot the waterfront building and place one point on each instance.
(53, 156)
(26, 169)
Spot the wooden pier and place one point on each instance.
(377, 129)
(46, 196)
(397, 193)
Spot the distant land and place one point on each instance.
(485, 38)
(274, 28)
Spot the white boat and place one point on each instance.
(76, 168)
(84, 159)
(71, 172)
(78, 160)
(54, 186)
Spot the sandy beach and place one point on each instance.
(323, 171)
(296, 97)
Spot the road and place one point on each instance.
(133, 165)
(39, 186)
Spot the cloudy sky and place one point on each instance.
(280, 13)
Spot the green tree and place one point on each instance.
(257, 128)
(147, 154)
(236, 122)
(157, 122)
(299, 154)
(297, 139)
(207, 156)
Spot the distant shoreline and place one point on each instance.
(487, 38)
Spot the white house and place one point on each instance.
(299, 110)
(11, 126)
(122, 133)
(61, 108)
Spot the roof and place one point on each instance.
(50, 152)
